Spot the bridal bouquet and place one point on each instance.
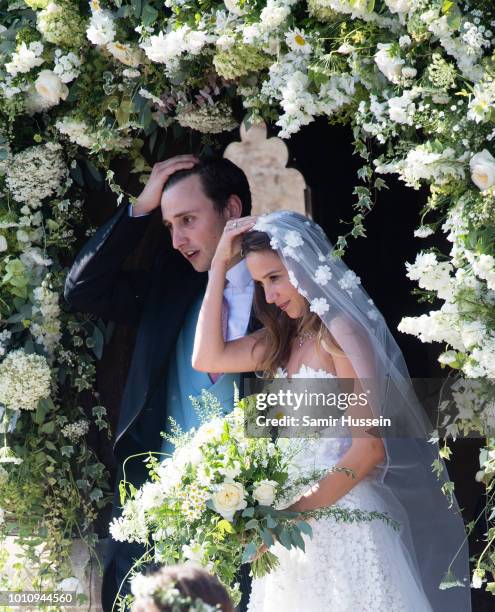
(217, 498)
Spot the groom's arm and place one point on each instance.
(97, 282)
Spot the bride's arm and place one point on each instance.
(211, 353)
(364, 454)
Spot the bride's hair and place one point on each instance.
(280, 329)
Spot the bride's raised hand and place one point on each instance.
(229, 245)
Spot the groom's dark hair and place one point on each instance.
(220, 178)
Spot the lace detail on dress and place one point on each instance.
(345, 566)
(304, 372)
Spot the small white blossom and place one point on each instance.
(319, 306)
(322, 275)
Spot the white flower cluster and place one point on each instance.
(66, 66)
(207, 119)
(167, 48)
(25, 58)
(432, 274)
(74, 431)
(424, 164)
(193, 500)
(5, 336)
(77, 131)
(37, 173)
(80, 133)
(101, 29)
(131, 526)
(46, 326)
(24, 380)
(289, 84)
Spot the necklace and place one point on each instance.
(304, 335)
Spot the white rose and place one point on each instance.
(264, 492)
(229, 499)
(390, 65)
(209, 431)
(50, 87)
(126, 54)
(482, 167)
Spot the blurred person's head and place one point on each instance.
(197, 203)
(179, 587)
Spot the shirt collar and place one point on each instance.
(238, 275)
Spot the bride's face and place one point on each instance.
(267, 269)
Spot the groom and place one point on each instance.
(197, 198)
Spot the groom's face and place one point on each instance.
(194, 223)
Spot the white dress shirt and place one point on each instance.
(238, 292)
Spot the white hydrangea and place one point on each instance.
(25, 58)
(24, 380)
(273, 14)
(66, 66)
(322, 275)
(37, 173)
(319, 306)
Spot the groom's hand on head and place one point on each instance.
(150, 197)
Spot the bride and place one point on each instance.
(319, 323)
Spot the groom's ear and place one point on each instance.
(233, 210)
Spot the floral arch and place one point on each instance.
(85, 83)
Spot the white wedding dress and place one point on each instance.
(346, 567)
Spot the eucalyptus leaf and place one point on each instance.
(249, 552)
(267, 537)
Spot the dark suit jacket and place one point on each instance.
(155, 301)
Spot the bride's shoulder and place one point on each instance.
(342, 324)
